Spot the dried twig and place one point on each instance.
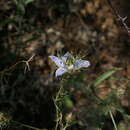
(5, 71)
(121, 19)
(27, 63)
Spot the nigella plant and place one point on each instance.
(68, 63)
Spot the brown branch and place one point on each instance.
(121, 19)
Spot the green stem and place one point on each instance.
(28, 126)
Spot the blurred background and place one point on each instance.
(37, 29)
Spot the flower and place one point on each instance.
(67, 63)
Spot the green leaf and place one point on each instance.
(68, 102)
(123, 113)
(128, 85)
(104, 76)
(28, 1)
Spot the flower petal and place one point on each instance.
(81, 63)
(66, 56)
(57, 61)
(60, 71)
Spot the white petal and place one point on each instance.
(81, 63)
(66, 56)
(57, 61)
(60, 72)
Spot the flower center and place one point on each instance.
(69, 61)
(70, 67)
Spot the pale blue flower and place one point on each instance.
(67, 63)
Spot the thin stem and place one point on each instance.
(113, 121)
(58, 112)
(121, 19)
(28, 126)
